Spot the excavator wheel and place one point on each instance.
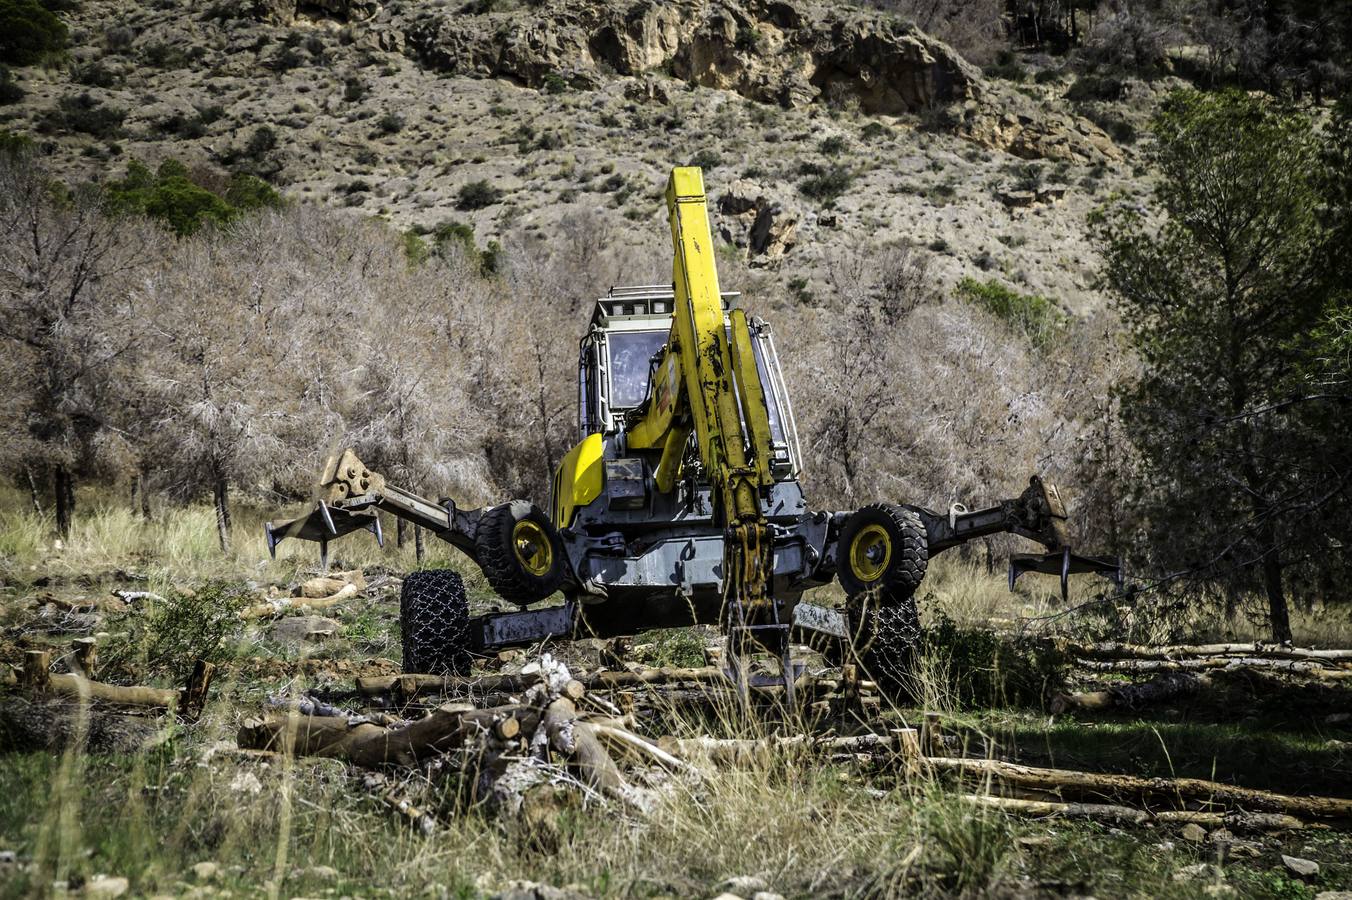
(884, 637)
(520, 552)
(434, 623)
(882, 548)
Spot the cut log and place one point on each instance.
(1168, 686)
(1115, 814)
(326, 586)
(1229, 663)
(85, 656)
(81, 687)
(577, 739)
(278, 605)
(1158, 792)
(1181, 651)
(36, 669)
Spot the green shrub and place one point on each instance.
(1095, 87)
(391, 123)
(167, 638)
(477, 195)
(977, 667)
(12, 144)
(353, 89)
(9, 91)
(29, 32)
(1037, 317)
(248, 192)
(826, 186)
(706, 159)
(95, 74)
(449, 234)
(82, 113)
(261, 142)
(875, 131)
(555, 84)
(832, 146)
(1007, 66)
(170, 196)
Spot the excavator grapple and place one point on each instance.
(681, 502)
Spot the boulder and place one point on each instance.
(305, 629)
(1301, 868)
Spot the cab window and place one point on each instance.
(631, 354)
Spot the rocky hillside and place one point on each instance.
(823, 128)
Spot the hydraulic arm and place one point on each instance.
(706, 381)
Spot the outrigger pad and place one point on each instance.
(1064, 563)
(323, 524)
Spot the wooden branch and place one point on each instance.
(626, 739)
(1175, 792)
(85, 656)
(79, 686)
(277, 606)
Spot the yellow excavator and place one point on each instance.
(681, 502)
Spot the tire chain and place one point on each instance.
(888, 633)
(434, 623)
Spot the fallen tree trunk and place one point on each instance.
(1232, 663)
(1168, 686)
(1115, 814)
(1256, 650)
(1175, 792)
(366, 744)
(35, 677)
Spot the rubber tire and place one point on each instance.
(885, 636)
(434, 623)
(910, 553)
(497, 556)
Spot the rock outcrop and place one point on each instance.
(773, 52)
(758, 221)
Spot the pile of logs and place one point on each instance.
(509, 748)
(53, 710)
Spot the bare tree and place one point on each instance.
(63, 323)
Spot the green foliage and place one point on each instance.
(248, 192)
(477, 195)
(875, 131)
(261, 142)
(1007, 66)
(391, 123)
(164, 640)
(29, 32)
(12, 144)
(1239, 441)
(83, 113)
(832, 146)
(706, 159)
(9, 91)
(416, 250)
(1038, 318)
(1095, 87)
(170, 196)
(970, 845)
(680, 647)
(555, 84)
(978, 667)
(827, 185)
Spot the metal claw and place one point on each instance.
(271, 539)
(328, 519)
(378, 532)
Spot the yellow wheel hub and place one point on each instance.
(532, 547)
(870, 552)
